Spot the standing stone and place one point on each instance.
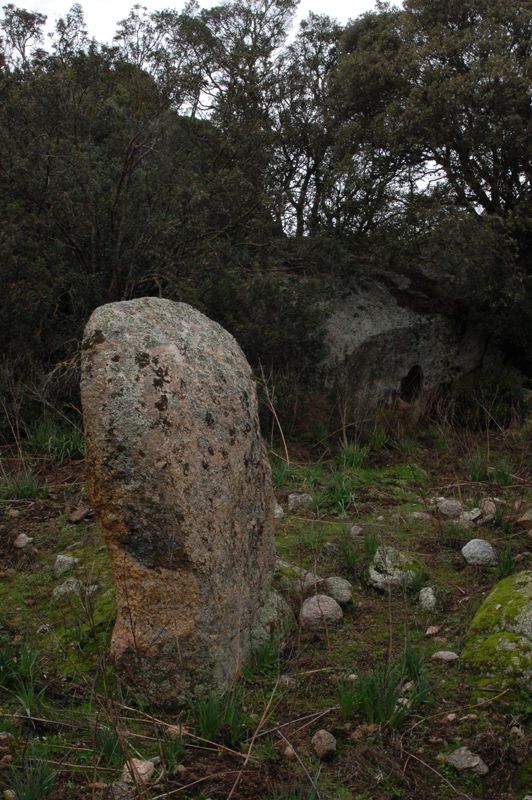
(179, 478)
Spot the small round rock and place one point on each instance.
(479, 552)
(339, 589)
(22, 541)
(445, 656)
(318, 612)
(324, 744)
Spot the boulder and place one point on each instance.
(498, 642)
(300, 501)
(318, 612)
(391, 569)
(180, 481)
(480, 553)
(338, 588)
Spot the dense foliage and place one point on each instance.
(205, 159)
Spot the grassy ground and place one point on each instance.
(71, 726)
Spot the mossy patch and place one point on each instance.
(498, 643)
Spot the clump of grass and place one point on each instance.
(370, 544)
(337, 497)
(453, 535)
(219, 718)
(264, 661)
(506, 563)
(418, 581)
(107, 746)
(18, 675)
(24, 486)
(35, 781)
(377, 440)
(347, 699)
(477, 467)
(502, 474)
(282, 472)
(173, 749)
(310, 475)
(388, 695)
(351, 456)
(348, 552)
(57, 444)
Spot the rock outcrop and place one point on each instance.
(180, 481)
(389, 337)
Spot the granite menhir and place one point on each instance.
(180, 481)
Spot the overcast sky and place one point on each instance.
(101, 15)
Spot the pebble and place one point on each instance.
(324, 744)
(64, 564)
(356, 531)
(445, 656)
(13, 513)
(278, 512)
(74, 586)
(525, 521)
(463, 759)
(432, 630)
(22, 541)
(319, 612)
(300, 501)
(420, 515)
(289, 753)
(9, 794)
(479, 552)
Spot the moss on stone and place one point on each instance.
(498, 643)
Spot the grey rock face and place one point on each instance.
(390, 569)
(324, 744)
(180, 481)
(318, 612)
(463, 759)
(479, 552)
(377, 339)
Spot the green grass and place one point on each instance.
(506, 563)
(219, 717)
(477, 466)
(107, 747)
(380, 695)
(173, 749)
(502, 474)
(337, 496)
(453, 535)
(57, 444)
(34, 782)
(282, 472)
(351, 456)
(24, 486)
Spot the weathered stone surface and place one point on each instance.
(378, 340)
(338, 588)
(300, 501)
(319, 612)
(137, 770)
(278, 512)
(179, 478)
(498, 643)
(479, 552)
(463, 759)
(64, 564)
(324, 744)
(427, 598)
(390, 568)
(445, 656)
(448, 507)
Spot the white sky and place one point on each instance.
(101, 16)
